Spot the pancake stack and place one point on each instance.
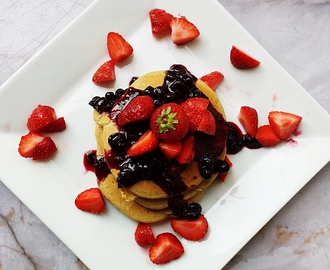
(145, 200)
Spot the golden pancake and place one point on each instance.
(145, 201)
(130, 208)
(191, 177)
(190, 196)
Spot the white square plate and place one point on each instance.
(259, 184)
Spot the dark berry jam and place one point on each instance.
(236, 140)
(96, 164)
(89, 158)
(178, 86)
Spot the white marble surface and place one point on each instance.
(295, 32)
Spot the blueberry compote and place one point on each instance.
(236, 140)
(178, 86)
(96, 164)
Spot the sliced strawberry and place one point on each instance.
(193, 230)
(105, 73)
(119, 49)
(56, 126)
(90, 200)
(169, 122)
(166, 248)
(44, 149)
(248, 117)
(144, 235)
(187, 153)
(159, 20)
(194, 108)
(170, 150)
(266, 136)
(148, 142)
(212, 79)
(222, 176)
(284, 124)
(41, 116)
(207, 123)
(34, 145)
(28, 143)
(139, 108)
(183, 31)
(241, 59)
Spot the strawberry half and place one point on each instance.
(34, 145)
(90, 200)
(148, 142)
(248, 117)
(187, 153)
(56, 126)
(212, 79)
(284, 124)
(266, 136)
(194, 108)
(183, 31)
(193, 230)
(43, 119)
(169, 122)
(119, 49)
(40, 117)
(159, 20)
(105, 73)
(241, 59)
(207, 123)
(139, 108)
(144, 235)
(170, 150)
(166, 248)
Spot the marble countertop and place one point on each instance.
(295, 32)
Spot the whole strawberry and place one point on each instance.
(169, 122)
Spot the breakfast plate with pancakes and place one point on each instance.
(258, 185)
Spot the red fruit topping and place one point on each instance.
(144, 235)
(266, 136)
(212, 79)
(194, 108)
(159, 20)
(207, 123)
(90, 200)
(40, 117)
(284, 124)
(146, 143)
(170, 150)
(248, 117)
(169, 122)
(119, 49)
(183, 31)
(193, 230)
(139, 108)
(222, 176)
(166, 248)
(56, 126)
(44, 149)
(105, 73)
(241, 59)
(34, 145)
(187, 153)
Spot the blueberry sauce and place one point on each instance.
(89, 158)
(236, 140)
(178, 86)
(96, 164)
